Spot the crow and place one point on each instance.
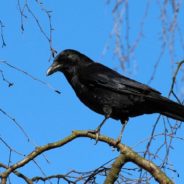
(109, 93)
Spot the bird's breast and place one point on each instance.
(90, 96)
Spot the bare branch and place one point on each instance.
(57, 176)
(115, 169)
(20, 175)
(2, 34)
(169, 131)
(26, 7)
(16, 123)
(174, 77)
(31, 76)
(10, 148)
(128, 153)
(5, 80)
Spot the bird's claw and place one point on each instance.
(118, 141)
(97, 133)
(97, 130)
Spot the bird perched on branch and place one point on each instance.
(108, 93)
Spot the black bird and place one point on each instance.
(107, 92)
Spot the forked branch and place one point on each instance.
(127, 155)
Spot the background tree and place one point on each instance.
(143, 40)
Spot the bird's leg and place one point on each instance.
(100, 126)
(97, 130)
(108, 112)
(124, 123)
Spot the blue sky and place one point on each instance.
(47, 116)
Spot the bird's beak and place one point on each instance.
(53, 68)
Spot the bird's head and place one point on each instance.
(68, 61)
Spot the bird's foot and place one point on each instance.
(119, 139)
(96, 132)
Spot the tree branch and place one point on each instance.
(28, 75)
(127, 152)
(57, 176)
(115, 169)
(20, 175)
(1, 33)
(174, 77)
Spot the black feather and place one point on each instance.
(107, 92)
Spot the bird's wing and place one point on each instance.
(99, 75)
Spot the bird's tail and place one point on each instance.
(170, 108)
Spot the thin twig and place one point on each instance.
(26, 8)
(5, 80)
(30, 76)
(2, 34)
